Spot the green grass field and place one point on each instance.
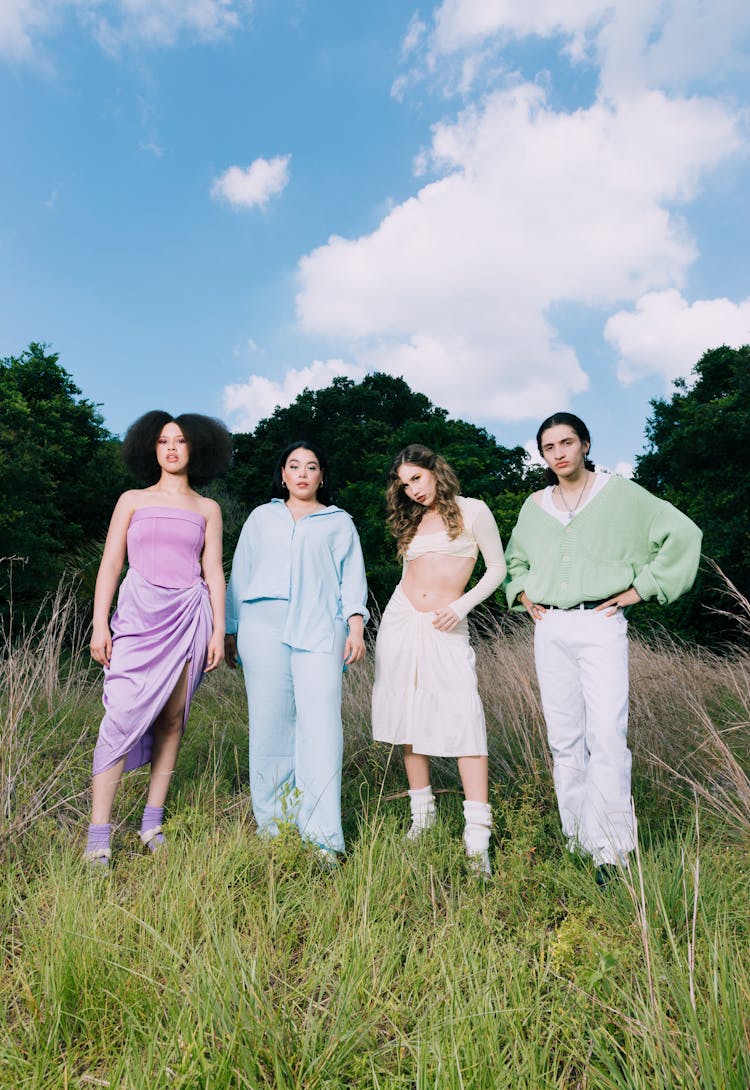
(228, 961)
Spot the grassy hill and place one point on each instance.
(228, 961)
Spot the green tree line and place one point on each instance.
(60, 472)
(362, 426)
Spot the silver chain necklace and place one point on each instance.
(572, 510)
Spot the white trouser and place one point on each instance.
(296, 739)
(582, 665)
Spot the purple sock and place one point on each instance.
(152, 816)
(98, 837)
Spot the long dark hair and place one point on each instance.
(209, 446)
(578, 427)
(404, 513)
(324, 488)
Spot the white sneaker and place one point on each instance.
(420, 825)
(479, 863)
(327, 858)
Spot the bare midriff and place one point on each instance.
(433, 581)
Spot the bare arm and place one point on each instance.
(108, 577)
(213, 573)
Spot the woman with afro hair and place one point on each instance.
(168, 628)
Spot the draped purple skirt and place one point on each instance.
(155, 632)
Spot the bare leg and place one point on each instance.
(474, 776)
(417, 767)
(104, 786)
(167, 737)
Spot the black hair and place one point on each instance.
(209, 445)
(324, 488)
(578, 427)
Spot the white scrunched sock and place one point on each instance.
(478, 818)
(422, 802)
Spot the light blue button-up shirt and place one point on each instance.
(315, 564)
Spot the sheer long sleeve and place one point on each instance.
(485, 532)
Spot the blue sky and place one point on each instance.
(209, 205)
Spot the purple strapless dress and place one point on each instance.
(163, 620)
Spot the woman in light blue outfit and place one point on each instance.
(296, 614)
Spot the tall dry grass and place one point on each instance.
(232, 962)
(689, 720)
(44, 679)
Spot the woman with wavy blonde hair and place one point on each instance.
(425, 696)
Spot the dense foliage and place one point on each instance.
(696, 459)
(60, 473)
(362, 426)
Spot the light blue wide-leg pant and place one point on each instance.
(296, 738)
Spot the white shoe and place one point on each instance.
(479, 863)
(98, 859)
(420, 824)
(328, 859)
(148, 839)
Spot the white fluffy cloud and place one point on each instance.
(534, 208)
(253, 186)
(247, 403)
(462, 24)
(634, 43)
(163, 22)
(115, 22)
(666, 335)
(20, 22)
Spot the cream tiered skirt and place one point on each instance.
(425, 693)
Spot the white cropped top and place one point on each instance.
(439, 542)
(479, 534)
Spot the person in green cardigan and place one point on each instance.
(584, 550)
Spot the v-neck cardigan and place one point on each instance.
(624, 537)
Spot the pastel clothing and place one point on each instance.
(622, 537)
(582, 665)
(479, 534)
(563, 515)
(425, 692)
(163, 620)
(296, 737)
(314, 564)
(292, 589)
